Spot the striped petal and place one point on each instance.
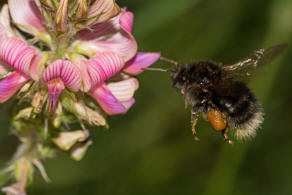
(103, 10)
(16, 53)
(128, 104)
(103, 66)
(5, 21)
(11, 84)
(140, 61)
(110, 36)
(66, 71)
(124, 90)
(109, 103)
(37, 65)
(27, 15)
(81, 62)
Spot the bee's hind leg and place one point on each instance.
(225, 136)
(194, 121)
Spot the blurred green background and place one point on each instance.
(150, 150)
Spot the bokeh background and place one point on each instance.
(150, 150)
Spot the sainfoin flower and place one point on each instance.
(66, 62)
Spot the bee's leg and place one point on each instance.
(194, 120)
(225, 136)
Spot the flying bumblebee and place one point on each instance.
(219, 94)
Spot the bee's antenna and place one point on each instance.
(156, 69)
(169, 60)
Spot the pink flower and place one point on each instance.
(96, 54)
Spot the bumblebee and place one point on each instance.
(219, 94)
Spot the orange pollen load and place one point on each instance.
(216, 119)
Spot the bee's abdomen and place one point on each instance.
(242, 109)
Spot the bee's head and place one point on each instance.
(179, 76)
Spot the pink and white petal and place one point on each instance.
(16, 53)
(37, 65)
(11, 84)
(109, 103)
(55, 87)
(66, 70)
(2, 32)
(127, 20)
(124, 90)
(129, 104)
(109, 37)
(5, 21)
(103, 66)
(27, 14)
(103, 9)
(141, 60)
(81, 62)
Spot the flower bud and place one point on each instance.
(62, 16)
(57, 120)
(24, 113)
(38, 101)
(79, 150)
(65, 140)
(93, 117)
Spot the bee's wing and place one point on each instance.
(245, 67)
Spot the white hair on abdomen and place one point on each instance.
(249, 128)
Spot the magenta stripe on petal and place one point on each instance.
(26, 13)
(103, 66)
(37, 66)
(55, 87)
(124, 90)
(67, 71)
(11, 84)
(16, 53)
(126, 21)
(109, 103)
(140, 61)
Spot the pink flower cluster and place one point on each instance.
(99, 61)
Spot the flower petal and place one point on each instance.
(5, 21)
(4, 68)
(109, 103)
(37, 65)
(124, 90)
(103, 66)
(2, 32)
(16, 53)
(109, 37)
(11, 84)
(128, 104)
(126, 21)
(27, 15)
(140, 61)
(66, 70)
(103, 10)
(55, 86)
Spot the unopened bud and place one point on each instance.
(24, 113)
(57, 120)
(79, 150)
(38, 101)
(62, 16)
(80, 8)
(65, 140)
(93, 117)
